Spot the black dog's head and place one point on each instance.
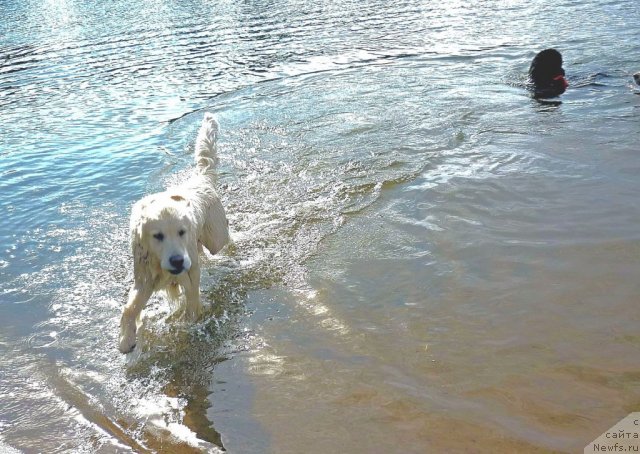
(636, 77)
(546, 74)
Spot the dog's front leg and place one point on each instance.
(193, 306)
(138, 297)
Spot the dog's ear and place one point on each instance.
(138, 219)
(143, 259)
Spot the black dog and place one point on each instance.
(636, 77)
(546, 74)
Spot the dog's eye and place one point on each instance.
(181, 232)
(158, 236)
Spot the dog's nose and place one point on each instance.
(177, 262)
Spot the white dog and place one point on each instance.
(168, 230)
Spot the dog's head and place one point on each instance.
(547, 75)
(162, 233)
(636, 77)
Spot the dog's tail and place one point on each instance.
(206, 150)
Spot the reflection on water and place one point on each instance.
(423, 259)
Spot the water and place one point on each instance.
(424, 260)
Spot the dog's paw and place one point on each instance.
(193, 313)
(127, 337)
(186, 313)
(125, 348)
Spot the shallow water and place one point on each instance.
(425, 259)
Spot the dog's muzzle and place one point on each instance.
(177, 262)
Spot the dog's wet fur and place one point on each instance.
(546, 74)
(168, 231)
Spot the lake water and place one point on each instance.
(425, 259)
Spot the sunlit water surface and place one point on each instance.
(425, 259)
